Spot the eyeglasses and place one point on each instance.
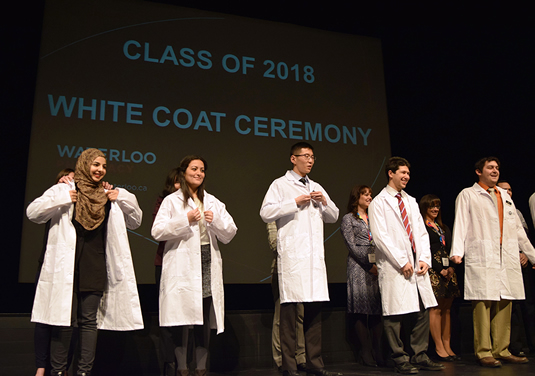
(435, 206)
(307, 156)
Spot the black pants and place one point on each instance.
(84, 315)
(419, 337)
(311, 329)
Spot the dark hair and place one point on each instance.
(393, 165)
(300, 145)
(184, 163)
(169, 186)
(481, 163)
(62, 173)
(354, 197)
(428, 201)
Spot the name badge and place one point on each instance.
(445, 261)
(371, 258)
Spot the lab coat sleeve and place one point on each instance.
(43, 208)
(523, 241)
(170, 223)
(275, 206)
(461, 224)
(380, 233)
(330, 211)
(132, 212)
(222, 226)
(532, 207)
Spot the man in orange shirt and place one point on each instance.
(489, 233)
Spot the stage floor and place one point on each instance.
(465, 367)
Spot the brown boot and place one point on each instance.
(200, 372)
(182, 372)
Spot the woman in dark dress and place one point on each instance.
(442, 276)
(363, 297)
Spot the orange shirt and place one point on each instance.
(500, 206)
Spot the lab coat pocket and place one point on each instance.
(296, 246)
(181, 262)
(54, 258)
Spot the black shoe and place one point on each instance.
(428, 365)
(405, 368)
(302, 367)
(449, 358)
(290, 373)
(367, 359)
(321, 372)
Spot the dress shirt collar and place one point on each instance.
(298, 177)
(392, 192)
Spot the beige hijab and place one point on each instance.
(90, 206)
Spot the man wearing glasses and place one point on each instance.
(299, 206)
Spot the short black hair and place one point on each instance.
(394, 164)
(300, 145)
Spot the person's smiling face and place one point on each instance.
(97, 170)
(400, 178)
(194, 174)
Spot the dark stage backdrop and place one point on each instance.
(149, 83)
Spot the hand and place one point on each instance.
(456, 259)
(450, 273)
(318, 196)
(407, 270)
(112, 194)
(107, 186)
(194, 215)
(444, 273)
(373, 270)
(523, 260)
(423, 268)
(209, 216)
(65, 180)
(73, 194)
(302, 200)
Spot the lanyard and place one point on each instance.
(368, 225)
(439, 231)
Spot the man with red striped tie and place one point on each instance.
(403, 257)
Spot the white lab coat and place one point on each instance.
(119, 307)
(181, 284)
(532, 207)
(301, 256)
(489, 275)
(399, 295)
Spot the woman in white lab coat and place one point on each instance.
(87, 275)
(192, 221)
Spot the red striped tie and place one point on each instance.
(405, 219)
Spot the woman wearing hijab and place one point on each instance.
(192, 221)
(87, 278)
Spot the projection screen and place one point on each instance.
(149, 83)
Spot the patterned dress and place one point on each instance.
(441, 286)
(362, 287)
